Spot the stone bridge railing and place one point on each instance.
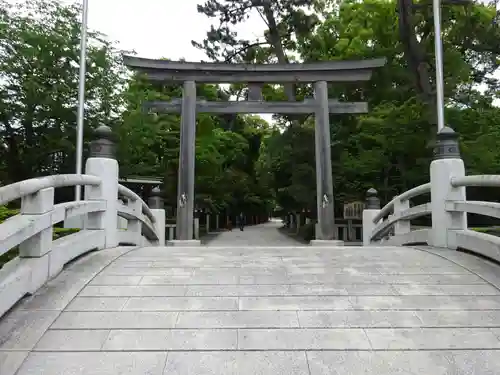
(141, 227)
(448, 208)
(348, 231)
(31, 231)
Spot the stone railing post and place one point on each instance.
(196, 228)
(401, 226)
(345, 232)
(217, 222)
(40, 203)
(196, 224)
(446, 165)
(207, 222)
(102, 163)
(317, 229)
(156, 204)
(171, 232)
(135, 226)
(122, 222)
(38, 247)
(372, 208)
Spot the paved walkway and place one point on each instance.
(256, 235)
(272, 311)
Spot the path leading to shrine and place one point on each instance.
(267, 234)
(247, 310)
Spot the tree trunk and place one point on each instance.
(275, 40)
(415, 56)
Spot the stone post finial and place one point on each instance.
(446, 146)
(155, 201)
(103, 146)
(372, 201)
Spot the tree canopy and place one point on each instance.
(242, 162)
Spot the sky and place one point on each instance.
(158, 28)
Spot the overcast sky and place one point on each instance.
(158, 28)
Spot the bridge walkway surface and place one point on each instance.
(250, 310)
(266, 235)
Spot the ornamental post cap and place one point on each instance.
(155, 200)
(446, 146)
(447, 133)
(156, 192)
(104, 131)
(103, 145)
(372, 201)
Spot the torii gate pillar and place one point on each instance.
(185, 183)
(324, 180)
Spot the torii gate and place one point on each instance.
(320, 73)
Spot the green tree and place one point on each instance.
(39, 49)
(285, 21)
(389, 147)
(225, 155)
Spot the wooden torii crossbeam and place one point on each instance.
(318, 73)
(182, 71)
(233, 107)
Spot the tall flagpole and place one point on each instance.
(438, 50)
(81, 96)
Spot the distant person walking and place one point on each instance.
(240, 221)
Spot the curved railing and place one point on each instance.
(129, 194)
(31, 231)
(480, 243)
(139, 217)
(391, 224)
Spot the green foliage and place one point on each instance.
(225, 155)
(243, 163)
(39, 59)
(389, 148)
(63, 232)
(5, 213)
(287, 20)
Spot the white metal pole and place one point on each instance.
(438, 49)
(81, 96)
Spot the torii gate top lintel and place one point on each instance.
(180, 71)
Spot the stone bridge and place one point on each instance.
(117, 298)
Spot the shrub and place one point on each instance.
(5, 213)
(62, 232)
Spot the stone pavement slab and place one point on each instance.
(245, 310)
